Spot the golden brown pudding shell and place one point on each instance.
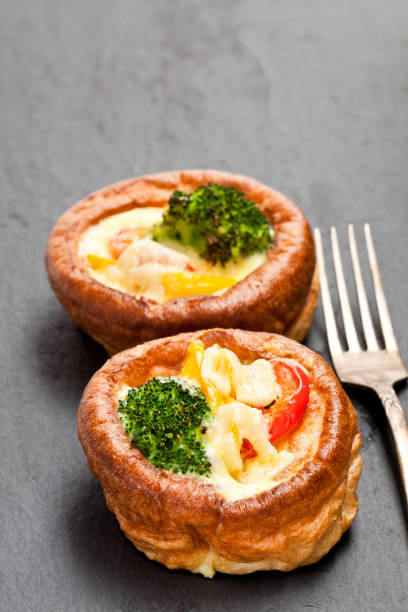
(279, 296)
(183, 522)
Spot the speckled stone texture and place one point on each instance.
(310, 97)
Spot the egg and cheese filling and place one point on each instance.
(119, 252)
(235, 392)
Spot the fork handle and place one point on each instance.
(399, 429)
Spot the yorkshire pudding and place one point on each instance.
(278, 296)
(180, 520)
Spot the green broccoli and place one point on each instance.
(165, 419)
(218, 221)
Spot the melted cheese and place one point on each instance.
(221, 375)
(96, 238)
(233, 389)
(143, 278)
(144, 262)
(253, 384)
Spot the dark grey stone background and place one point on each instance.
(308, 96)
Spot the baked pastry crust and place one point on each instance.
(279, 296)
(180, 520)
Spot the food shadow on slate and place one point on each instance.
(102, 553)
(62, 354)
(373, 424)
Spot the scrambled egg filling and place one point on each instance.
(120, 253)
(234, 391)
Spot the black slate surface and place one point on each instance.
(308, 96)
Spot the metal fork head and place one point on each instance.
(357, 366)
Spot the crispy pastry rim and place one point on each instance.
(278, 296)
(183, 522)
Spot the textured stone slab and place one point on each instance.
(310, 97)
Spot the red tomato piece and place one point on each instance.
(289, 409)
(247, 450)
(288, 412)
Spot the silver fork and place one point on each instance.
(374, 368)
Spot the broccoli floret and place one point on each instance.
(218, 221)
(164, 418)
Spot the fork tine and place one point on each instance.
(366, 319)
(385, 319)
(349, 327)
(331, 327)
